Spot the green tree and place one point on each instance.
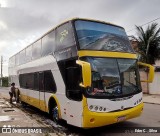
(4, 81)
(148, 43)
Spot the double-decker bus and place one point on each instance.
(82, 71)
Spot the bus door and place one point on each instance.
(42, 105)
(74, 95)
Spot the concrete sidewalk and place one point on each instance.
(153, 99)
(11, 115)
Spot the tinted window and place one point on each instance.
(30, 81)
(36, 83)
(73, 78)
(26, 81)
(50, 85)
(22, 81)
(41, 81)
(28, 53)
(36, 50)
(48, 43)
(22, 56)
(64, 36)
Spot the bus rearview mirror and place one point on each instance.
(86, 73)
(150, 74)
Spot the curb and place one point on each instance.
(152, 103)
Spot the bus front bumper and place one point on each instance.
(96, 119)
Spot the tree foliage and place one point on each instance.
(4, 81)
(148, 43)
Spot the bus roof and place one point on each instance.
(72, 19)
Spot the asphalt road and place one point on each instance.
(149, 118)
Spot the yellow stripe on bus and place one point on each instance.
(106, 54)
(40, 104)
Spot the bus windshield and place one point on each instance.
(113, 77)
(99, 36)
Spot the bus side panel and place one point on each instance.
(42, 103)
(60, 93)
(30, 97)
(33, 97)
(74, 113)
(23, 95)
(71, 111)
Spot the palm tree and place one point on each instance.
(148, 43)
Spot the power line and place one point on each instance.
(145, 24)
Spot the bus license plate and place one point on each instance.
(121, 118)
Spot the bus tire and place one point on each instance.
(23, 104)
(54, 113)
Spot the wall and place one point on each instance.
(144, 85)
(154, 88)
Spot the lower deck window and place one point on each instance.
(42, 81)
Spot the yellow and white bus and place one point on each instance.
(82, 71)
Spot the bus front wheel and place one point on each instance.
(55, 114)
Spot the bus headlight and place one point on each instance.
(100, 108)
(91, 107)
(96, 108)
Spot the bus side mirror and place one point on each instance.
(151, 72)
(86, 73)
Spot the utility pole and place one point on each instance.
(1, 69)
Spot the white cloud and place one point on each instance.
(2, 25)
(27, 20)
(3, 44)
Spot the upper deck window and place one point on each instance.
(36, 50)
(64, 37)
(48, 43)
(101, 36)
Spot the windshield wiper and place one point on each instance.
(132, 84)
(114, 85)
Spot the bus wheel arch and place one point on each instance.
(54, 109)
